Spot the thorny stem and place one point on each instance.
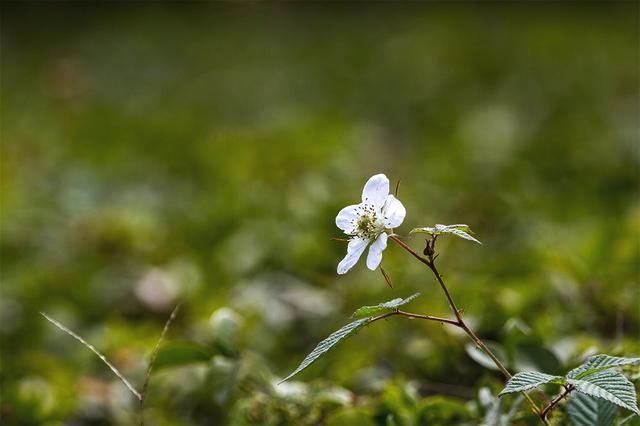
(429, 261)
(549, 408)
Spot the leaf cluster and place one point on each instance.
(599, 385)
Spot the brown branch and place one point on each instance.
(411, 315)
(387, 278)
(552, 405)
(431, 265)
(429, 261)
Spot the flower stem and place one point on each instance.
(429, 261)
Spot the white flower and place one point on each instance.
(366, 223)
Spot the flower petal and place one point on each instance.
(354, 251)
(393, 212)
(375, 191)
(347, 219)
(375, 252)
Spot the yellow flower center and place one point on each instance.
(368, 226)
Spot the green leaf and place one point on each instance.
(327, 344)
(585, 410)
(177, 354)
(529, 380)
(459, 230)
(392, 305)
(609, 385)
(600, 362)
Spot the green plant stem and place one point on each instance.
(459, 322)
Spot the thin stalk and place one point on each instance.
(549, 408)
(465, 327)
(152, 360)
(459, 322)
(95, 351)
(411, 315)
(141, 396)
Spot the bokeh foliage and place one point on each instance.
(199, 152)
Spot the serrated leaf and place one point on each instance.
(459, 230)
(585, 410)
(600, 362)
(177, 354)
(463, 234)
(609, 385)
(529, 380)
(392, 305)
(327, 344)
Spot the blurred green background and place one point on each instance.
(199, 152)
